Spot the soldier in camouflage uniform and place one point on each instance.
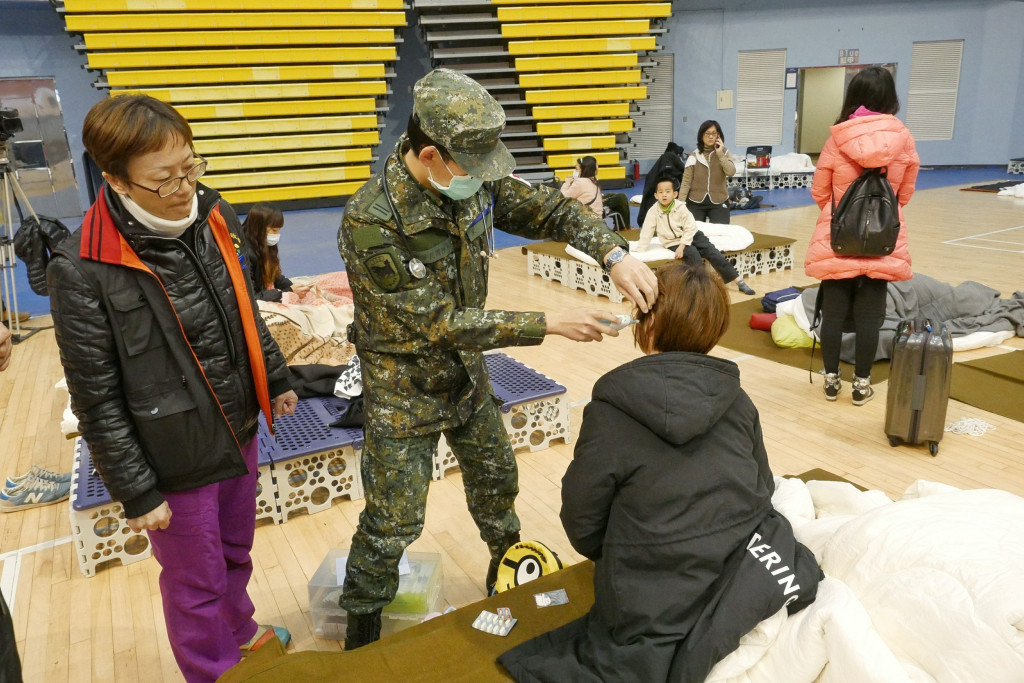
(416, 240)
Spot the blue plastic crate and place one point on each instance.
(516, 383)
(306, 432)
(90, 492)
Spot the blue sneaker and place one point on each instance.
(37, 472)
(265, 634)
(33, 493)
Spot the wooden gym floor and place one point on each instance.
(110, 627)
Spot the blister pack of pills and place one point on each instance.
(489, 622)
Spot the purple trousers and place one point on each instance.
(205, 569)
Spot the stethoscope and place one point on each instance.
(486, 214)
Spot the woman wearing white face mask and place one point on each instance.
(262, 229)
(583, 185)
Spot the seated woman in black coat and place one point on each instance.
(262, 230)
(669, 493)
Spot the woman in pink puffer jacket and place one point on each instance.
(866, 135)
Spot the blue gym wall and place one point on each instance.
(991, 96)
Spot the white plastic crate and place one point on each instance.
(266, 495)
(99, 528)
(572, 273)
(313, 482)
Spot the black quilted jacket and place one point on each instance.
(33, 243)
(158, 366)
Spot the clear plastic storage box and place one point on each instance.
(419, 593)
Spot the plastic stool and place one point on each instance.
(99, 528)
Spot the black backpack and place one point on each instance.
(867, 220)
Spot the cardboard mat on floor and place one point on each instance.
(995, 384)
(446, 648)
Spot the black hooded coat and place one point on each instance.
(670, 165)
(669, 493)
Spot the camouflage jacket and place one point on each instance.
(420, 287)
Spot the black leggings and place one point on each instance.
(702, 248)
(862, 301)
(709, 212)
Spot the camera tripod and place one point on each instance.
(11, 192)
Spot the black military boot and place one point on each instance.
(492, 568)
(362, 629)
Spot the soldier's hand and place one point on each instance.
(637, 281)
(582, 324)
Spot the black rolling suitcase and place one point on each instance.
(919, 374)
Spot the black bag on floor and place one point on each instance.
(919, 376)
(740, 199)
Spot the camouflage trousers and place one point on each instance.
(396, 474)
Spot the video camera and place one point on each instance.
(10, 123)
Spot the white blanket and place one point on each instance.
(725, 237)
(974, 340)
(928, 588)
(1012, 191)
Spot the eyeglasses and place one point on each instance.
(169, 187)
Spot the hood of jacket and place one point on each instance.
(648, 389)
(871, 141)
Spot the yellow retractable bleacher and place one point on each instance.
(578, 64)
(283, 95)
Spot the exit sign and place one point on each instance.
(849, 56)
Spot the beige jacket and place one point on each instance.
(673, 228)
(707, 176)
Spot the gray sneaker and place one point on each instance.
(832, 386)
(862, 391)
(37, 472)
(32, 494)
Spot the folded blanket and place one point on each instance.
(310, 333)
(972, 312)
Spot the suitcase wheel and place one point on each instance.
(894, 442)
(933, 448)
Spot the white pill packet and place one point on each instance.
(556, 597)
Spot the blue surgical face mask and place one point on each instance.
(459, 187)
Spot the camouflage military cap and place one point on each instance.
(457, 113)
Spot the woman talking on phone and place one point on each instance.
(705, 184)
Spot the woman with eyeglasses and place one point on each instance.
(705, 183)
(169, 367)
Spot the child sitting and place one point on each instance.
(676, 228)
